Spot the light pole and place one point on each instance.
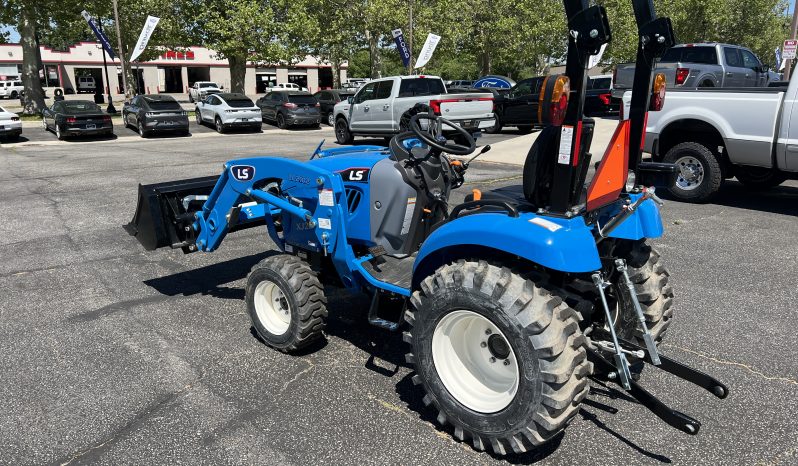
(121, 51)
(111, 109)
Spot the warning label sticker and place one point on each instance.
(409, 211)
(547, 224)
(326, 197)
(325, 224)
(566, 140)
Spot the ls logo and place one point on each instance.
(355, 175)
(242, 172)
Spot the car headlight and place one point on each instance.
(631, 180)
(230, 111)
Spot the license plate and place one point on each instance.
(245, 119)
(91, 126)
(467, 123)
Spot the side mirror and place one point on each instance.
(763, 69)
(221, 88)
(350, 100)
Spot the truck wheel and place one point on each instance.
(758, 178)
(650, 279)
(14, 94)
(342, 133)
(497, 126)
(330, 119)
(498, 356)
(524, 129)
(700, 175)
(286, 302)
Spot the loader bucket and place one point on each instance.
(165, 212)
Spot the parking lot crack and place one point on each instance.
(298, 375)
(733, 363)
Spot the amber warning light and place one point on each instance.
(553, 101)
(657, 93)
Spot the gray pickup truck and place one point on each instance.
(690, 66)
(716, 134)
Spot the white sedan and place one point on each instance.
(10, 125)
(227, 111)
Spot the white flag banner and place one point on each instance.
(428, 50)
(595, 59)
(144, 37)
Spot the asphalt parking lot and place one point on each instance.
(113, 355)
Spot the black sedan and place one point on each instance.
(289, 108)
(76, 117)
(154, 113)
(328, 99)
(518, 106)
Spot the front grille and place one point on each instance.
(353, 197)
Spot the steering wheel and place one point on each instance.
(434, 138)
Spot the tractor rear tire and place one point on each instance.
(650, 279)
(499, 357)
(286, 302)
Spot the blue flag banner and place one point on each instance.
(100, 36)
(778, 57)
(401, 46)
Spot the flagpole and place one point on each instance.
(111, 109)
(121, 51)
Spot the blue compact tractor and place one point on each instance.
(509, 301)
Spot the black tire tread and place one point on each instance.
(308, 293)
(713, 175)
(553, 329)
(650, 279)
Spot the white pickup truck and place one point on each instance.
(382, 107)
(202, 89)
(716, 134)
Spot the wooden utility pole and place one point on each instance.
(793, 30)
(121, 51)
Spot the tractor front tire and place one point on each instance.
(286, 302)
(499, 357)
(650, 279)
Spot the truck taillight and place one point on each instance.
(435, 106)
(107, 118)
(681, 75)
(71, 120)
(553, 100)
(605, 98)
(657, 93)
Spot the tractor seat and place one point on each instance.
(512, 195)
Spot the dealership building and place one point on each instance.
(172, 72)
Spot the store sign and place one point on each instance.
(172, 55)
(790, 45)
(494, 82)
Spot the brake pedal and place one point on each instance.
(651, 346)
(621, 363)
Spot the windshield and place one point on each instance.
(203, 85)
(160, 104)
(302, 99)
(239, 102)
(600, 83)
(81, 107)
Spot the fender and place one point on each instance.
(567, 245)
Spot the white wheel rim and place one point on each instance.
(691, 173)
(272, 307)
(330, 120)
(468, 366)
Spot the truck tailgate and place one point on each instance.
(464, 106)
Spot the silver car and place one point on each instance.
(228, 111)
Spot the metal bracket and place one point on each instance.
(651, 346)
(621, 363)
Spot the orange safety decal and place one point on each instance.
(477, 194)
(611, 174)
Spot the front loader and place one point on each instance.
(510, 301)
